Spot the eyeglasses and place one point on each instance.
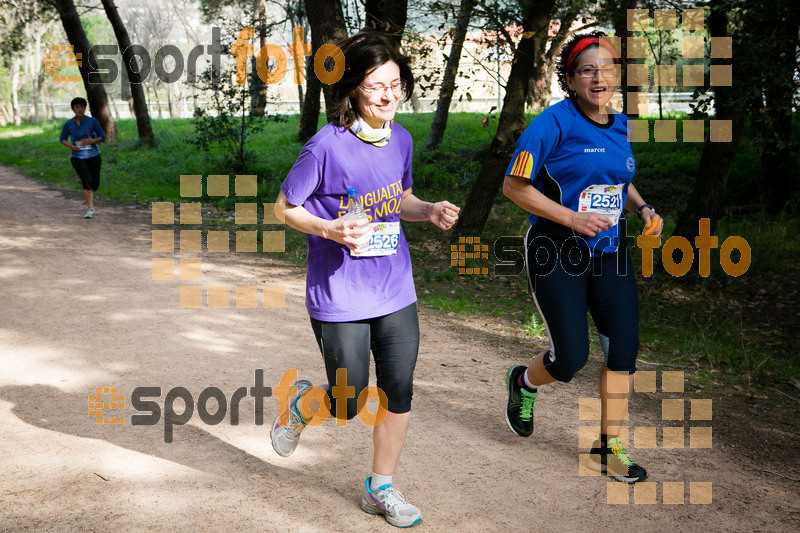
(397, 88)
(590, 72)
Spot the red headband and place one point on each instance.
(587, 41)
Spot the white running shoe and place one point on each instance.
(287, 427)
(389, 502)
(89, 213)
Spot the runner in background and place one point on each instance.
(572, 172)
(361, 301)
(84, 134)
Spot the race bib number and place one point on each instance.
(83, 146)
(603, 199)
(384, 240)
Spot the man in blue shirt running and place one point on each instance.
(84, 134)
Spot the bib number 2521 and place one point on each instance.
(602, 199)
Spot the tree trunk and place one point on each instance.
(148, 90)
(15, 64)
(387, 16)
(258, 89)
(300, 97)
(158, 102)
(38, 77)
(39, 97)
(776, 183)
(309, 116)
(327, 26)
(300, 90)
(8, 113)
(706, 200)
(660, 105)
(95, 92)
(139, 101)
(416, 106)
(170, 101)
(526, 62)
(540, 92)
(450, 71)
(541, 88)
(49, 112)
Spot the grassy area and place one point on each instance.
(714, 325)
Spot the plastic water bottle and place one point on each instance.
(355, 210)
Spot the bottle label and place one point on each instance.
(384, 240)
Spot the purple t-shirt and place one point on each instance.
(339, 287)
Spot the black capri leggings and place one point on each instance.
(394, 340)
(565, 280)
(88, 171)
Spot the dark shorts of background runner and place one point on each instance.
(394, 341)
(88, 171)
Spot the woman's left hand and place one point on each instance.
(444, 214)
(648, 215)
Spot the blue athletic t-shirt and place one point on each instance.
(87, 129)
(563, 153)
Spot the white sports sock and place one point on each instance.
(379, 481)
(525, 379)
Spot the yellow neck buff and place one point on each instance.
(377, 136)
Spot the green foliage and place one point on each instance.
(224, 129)
(98, 29)
(135, 173)
(535, 326)
(449, 305)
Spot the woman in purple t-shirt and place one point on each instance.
(361, 300)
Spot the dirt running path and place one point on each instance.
(79, 310)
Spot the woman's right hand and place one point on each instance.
(352, 233)
(589, 224)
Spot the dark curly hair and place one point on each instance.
(363, 53)
(562, 69)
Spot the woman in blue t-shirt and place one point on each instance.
(572, 172)
(85, 133)
(359, 287)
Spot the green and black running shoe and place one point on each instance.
(519, 409)
(613, 459)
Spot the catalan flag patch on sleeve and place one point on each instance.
(523, 165)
